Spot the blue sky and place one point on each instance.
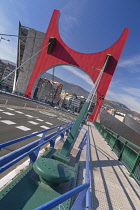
(86, 26)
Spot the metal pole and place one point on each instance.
(74, 131)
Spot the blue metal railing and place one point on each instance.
(10, 159)
(83, 189)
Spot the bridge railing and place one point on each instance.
(32, 149)
(82, 190)
(125, 150)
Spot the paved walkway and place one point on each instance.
(111, 186)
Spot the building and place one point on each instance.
(48, 91)
(71, 102)
(29, 44)
(2, 68)
(5, 70)
(119, 115)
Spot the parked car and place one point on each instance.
(56, 107)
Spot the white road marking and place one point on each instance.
(1, 110)
(39, 135)
(63, 119)
(49, 123)
(32, 122)
(40, 120)
(45, 127)
(8, 113)
(47, 113)
(8, 122)
(19, 112)
(28, 115)
(10, 108)
(23, 128)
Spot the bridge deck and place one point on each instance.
(111, 185)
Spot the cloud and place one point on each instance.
(131, 102)
(131, 64)
(132, 91)
(70, 14)
(81, 74)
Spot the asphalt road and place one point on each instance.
(17, 121)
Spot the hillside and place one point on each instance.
(119, 107)
(10, 62)
(72, 88)
(68, 87)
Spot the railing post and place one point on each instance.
(122, 150)
(24, 105)
(33, 155)
(83, 142)
(115, 142)
(135, 165)
(6, 102)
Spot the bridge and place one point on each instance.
(77, 164)
(107, 174)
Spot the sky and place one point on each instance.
(87, 26)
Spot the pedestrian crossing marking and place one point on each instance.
(8, 113)
(23, 128)
(8, 122)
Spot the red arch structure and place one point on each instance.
(61, 54)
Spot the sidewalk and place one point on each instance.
(111, 185)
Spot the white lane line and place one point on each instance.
(40, 120)
(19, 112)
(10, 109)
(28, 115)
(8, 113)
(49, 123)
(47, 113)
(63, 119)
(1, 110)
(8, 122)
(45, 127)
(32, 122)
(23, 128)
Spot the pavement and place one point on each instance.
(111, 186)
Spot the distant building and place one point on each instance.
(119, 115)
(48, 91)
(2, 68)
(6, 69)
(71, 102)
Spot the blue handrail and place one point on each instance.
(82, 188)
(87, 172)
(19, 154)
(31, 135)
(10, 159)
(51, 204)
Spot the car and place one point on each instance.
(56, 107)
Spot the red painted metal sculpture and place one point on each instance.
(61, 54)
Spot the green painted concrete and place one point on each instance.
(51, 172)
(27, 192)
(64, 152)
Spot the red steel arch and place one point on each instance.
(62, 54)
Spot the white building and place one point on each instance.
(8, 82)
